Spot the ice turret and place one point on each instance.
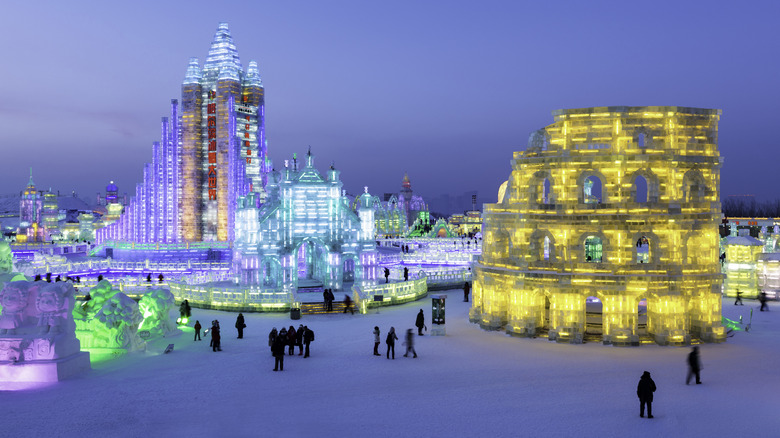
(223, 53)
(193, 73)
(252, 78)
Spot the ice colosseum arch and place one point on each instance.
(593, 234)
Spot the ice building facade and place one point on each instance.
(304, 230)
(212, 151)
(620, 204)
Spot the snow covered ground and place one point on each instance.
(470, 383)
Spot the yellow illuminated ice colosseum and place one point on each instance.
(608, 206)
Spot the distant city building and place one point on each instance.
(30, 209)
(395, 213)
(209, 155)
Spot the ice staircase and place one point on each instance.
(319, 308)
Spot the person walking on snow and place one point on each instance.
(762, 300)
(240, 325)
(645, 390)
(420, 323)
(406, 273)
(376, 341)
(738, 301)
(694, 366)
(390, 341)
(409, 343)
(348, 305)
(387, 275)
(197, 331)
(466, 290)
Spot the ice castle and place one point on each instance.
(304, 232)
(609, 206)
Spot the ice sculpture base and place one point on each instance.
(43, 370)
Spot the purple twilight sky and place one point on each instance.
(445, 90)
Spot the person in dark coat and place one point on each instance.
(271, 338)
(406, 273)
(390, 341)
(299, 339)
(331, 297)
(240, 325)
(387, 275)
(308, 337)
(216, 339)
(197, 331)
(291, 337)
(376, 341)
(278, 351)
(738, 301)
(466, 290)
(348, 305)
(325, 298)
(762, 300)
(645, 390)
(420, 323)
(694, 366)
(409, 342)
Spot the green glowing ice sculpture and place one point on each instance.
(108, 323)
(155, 308)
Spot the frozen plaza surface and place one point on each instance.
(469, 383)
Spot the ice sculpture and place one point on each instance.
(615, 204)
(155, 308)
(109, 320)
(37, 333)
(7, 265)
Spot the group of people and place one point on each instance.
(288, 339)
(762, 298)
(328, 296)
(405, 249)
(392, 337)
(216, 336)
(646, 386)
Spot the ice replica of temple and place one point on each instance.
(615, 204)
(305, 230)
(212, 151)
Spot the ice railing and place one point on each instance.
(73, 268)
(157, 246)
(233, 297)
(389, 293)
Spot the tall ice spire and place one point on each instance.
(253, 75)
(223, 52)
(193, 73)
